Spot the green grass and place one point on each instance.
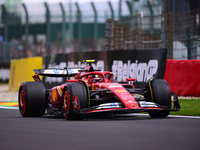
(189, 107)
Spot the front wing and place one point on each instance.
(118, 107)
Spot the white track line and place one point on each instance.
(171, 116)
(5, 107)
(192, 117)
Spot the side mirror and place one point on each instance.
(130, 79)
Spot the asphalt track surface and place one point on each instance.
(118, 133)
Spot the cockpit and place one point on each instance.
(98, 77)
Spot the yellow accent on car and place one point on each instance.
(151, 90)
(90, 61)
(60, 91)
(54, 95)
(121, 91)
(92, 87)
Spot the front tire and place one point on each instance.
(31, 99)
(160, 94)
(74, 99)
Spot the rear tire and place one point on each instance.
(161, 95)
(74, 99)
(31, 99)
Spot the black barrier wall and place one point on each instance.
(55, 61)
(139, 64)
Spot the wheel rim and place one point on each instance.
(66, 104)
(22, 102)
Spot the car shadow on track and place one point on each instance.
(121, 117)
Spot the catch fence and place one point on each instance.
(56, 31)
(179, 32)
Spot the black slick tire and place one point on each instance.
(78, 90)
(31, 99)
(161, 95)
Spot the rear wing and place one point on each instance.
(57, 72)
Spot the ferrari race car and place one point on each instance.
(93, 92)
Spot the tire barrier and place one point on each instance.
(183, 76)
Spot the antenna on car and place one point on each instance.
(67, 73)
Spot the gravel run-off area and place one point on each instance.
(6, 96)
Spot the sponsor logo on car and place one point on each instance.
(109, 106)
(147, 104)
(115, 86)
(56, 71)
(70, 71)
(113, 105)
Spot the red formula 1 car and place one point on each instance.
(93, 92)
